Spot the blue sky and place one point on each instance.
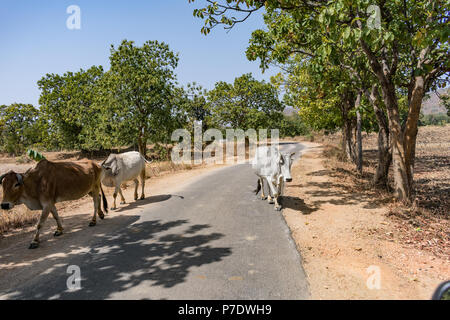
(36, 41)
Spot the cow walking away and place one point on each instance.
(273, 167)
(48, 183)
(124, 167)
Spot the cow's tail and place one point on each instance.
(105, 202)
(258, 187)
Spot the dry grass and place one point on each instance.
(17, 218)
(425, 224)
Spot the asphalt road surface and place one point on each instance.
(214, 239)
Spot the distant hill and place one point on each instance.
(288, 111)
(432, 104)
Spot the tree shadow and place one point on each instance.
(423, 163)
(297, 204)
(152, 253)
(147, 200)
(344, 195)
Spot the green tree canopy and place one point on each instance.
(19, 127)
(137, 92)
(66, 105)
(245, 103)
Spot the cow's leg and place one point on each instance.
(59, 229)
(99, 207)
(263, 194)
(277, 204)
(280, 191)
(270, 197)
(273, 191)
(136, 186)
(44, 214)
(122, 198)
(96, 200)
(116, 191)
(278, 197)
(142, 184)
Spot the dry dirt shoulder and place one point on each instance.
(341, 234)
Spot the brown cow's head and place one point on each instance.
(12, 189)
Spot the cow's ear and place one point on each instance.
(19, 178)
(114, 168)
(1, 178)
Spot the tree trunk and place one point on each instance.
(142, 142)
(347, 139)
(402, 174)
(384, 154)
(410, 130)
(359, 161)
(401, 170)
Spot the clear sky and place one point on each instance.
(35, 40)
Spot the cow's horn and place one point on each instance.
(19, 178)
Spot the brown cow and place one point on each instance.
(41, 187)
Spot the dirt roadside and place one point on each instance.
(340, 235)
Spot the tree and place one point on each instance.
(406, 48)
(66, 105)
(245, 103)
(19, 127)
(137, 91)
(292, 126)
(194, 103)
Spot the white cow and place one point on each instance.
(123, 167)
(274, 167)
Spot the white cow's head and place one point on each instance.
(286, 160)
(110, 165)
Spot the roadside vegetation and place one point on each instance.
(425, 223)
(134, 104)
(353, 65)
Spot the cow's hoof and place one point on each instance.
(101, 215)
(57, 233)
(114, 208)
(271, 201)
(33, 245)
(278, 208)
(92, 223)
(263, 198)
(122, 202)
(142, 197)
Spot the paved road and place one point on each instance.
(212, 240)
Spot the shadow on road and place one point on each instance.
(139, 203)
(157, 253)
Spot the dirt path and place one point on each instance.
(341, 235)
